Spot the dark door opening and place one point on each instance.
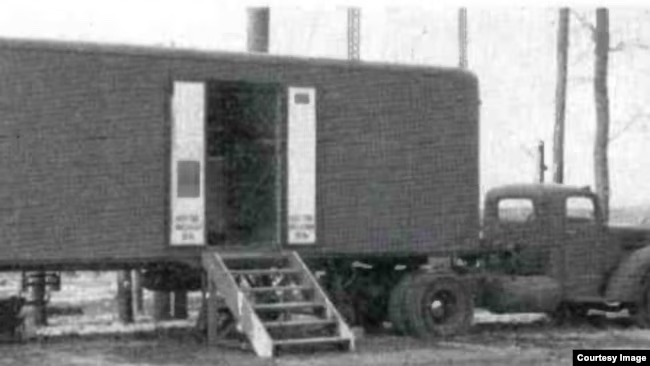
(243, 161)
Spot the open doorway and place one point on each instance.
(243, 162)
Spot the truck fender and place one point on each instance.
(625, 283)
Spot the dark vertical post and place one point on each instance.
(138, 294)
(212, 316)
(560, 95)
(462, 38)
(541, 163)
(258, 29)
(161, 305)
(180, 305)
(37, 291)
(124, 296)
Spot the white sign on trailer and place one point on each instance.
(301, 219)
(188, 164)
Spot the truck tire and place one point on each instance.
(396, 308)
(569, 314)
(640, 311)
(438, 305)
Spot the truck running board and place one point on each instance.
(275, 301)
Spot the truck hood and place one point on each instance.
(630, 237)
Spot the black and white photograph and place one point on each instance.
(324, 183)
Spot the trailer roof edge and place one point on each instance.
(167, 52)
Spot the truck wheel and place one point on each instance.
(640, 311)
(396, 308)
(569, 314)
(438, 305)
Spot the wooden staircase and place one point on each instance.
(274, 300)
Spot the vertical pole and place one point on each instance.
(258, 29)
(354, 34)
(560, 95)
(124, 296)
(212, 315)
(138, 294)
(601, 98)
(161, 305)
(180, 305)
(541, 164)
(462, 38)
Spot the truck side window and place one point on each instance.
(580, 209)
(516, 210)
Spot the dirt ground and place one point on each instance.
(83, 331)
(488, 344)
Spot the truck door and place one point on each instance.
(583, 248)
(520, 227)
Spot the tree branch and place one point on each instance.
(621, 46)
(628, 125)
(584, 21)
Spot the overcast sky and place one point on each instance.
(512, 50)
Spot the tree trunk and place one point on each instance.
(462, 38)
(560, 95)
(124, 296)
(601, 168)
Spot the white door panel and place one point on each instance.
(188, 164)
(301, 188)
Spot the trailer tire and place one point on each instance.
(396, 308)
(438, 305)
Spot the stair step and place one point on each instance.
(253, 255)
(309, 341)
(269, 271)
(262, 289)
(279, 306)
(299, 323)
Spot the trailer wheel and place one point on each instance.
(396, 308)
(640, 311)
(438, 305)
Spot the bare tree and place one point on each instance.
(560, 95)
(601, 165)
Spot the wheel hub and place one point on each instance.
(441, 306)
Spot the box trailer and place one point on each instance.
(117, 155)
(114, 157)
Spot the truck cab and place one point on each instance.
(552, 230)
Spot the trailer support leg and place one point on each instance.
(180, 305)
(37, 297)
(124, 296)
(161, 306)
